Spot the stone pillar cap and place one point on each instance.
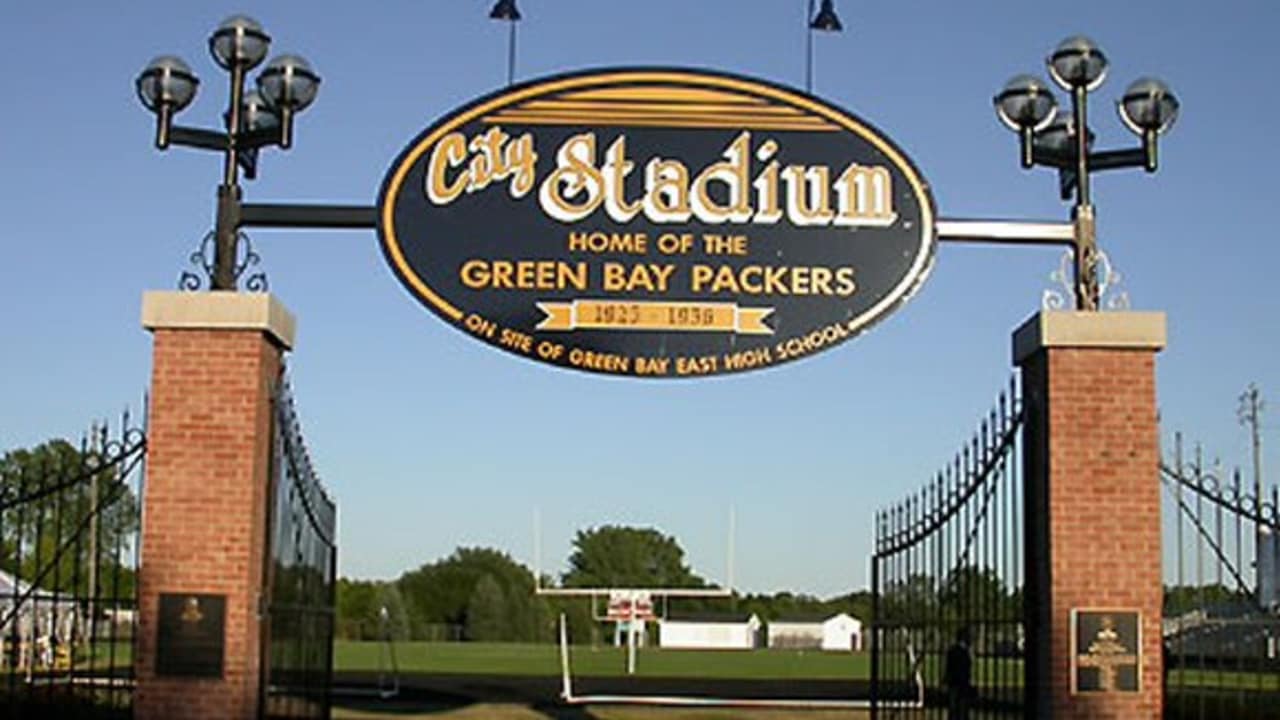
(166, 310)
(1079, 329)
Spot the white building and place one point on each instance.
(840, 632)
(736, 633)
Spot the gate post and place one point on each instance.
(216, 359)
(1092, 512)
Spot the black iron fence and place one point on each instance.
(301, 577)
(947, 580)
(69, 517)
(1222, 602)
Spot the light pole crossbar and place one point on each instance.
(280, 215)
(1104, 160)
(1007, 232)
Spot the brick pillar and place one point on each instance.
(1092, 502)
(216, 359)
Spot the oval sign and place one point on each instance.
(657, 222)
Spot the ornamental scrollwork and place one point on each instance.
(203, 258)
(1062, 296)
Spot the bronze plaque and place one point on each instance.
(1106, 650)
(190, 642)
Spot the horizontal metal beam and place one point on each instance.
(277, 215)
(1060, 160)
(1114, 159)
(198, 138)
(1102, 160)
(215, 140)
(1007, 232)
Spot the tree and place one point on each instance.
(440, 593)
(980, 590)
(981, 595)
(616, 556)
(915, 596)
(357, 611)
(45, 507)
(1181, 599)
(857, 604)
(393, 617)
(487, 613)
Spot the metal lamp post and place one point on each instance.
(824, 20)
(254, 120)
(1027, 106)
(507, 11)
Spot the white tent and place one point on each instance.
(40, 614)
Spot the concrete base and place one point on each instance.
(163, 310)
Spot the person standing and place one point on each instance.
(957, 675)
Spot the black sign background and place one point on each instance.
(190, 637)
(426, 245)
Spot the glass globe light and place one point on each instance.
(288, 83)
(239, 40)
(1077, 62)
(1148, 105)
(1026, 102)
(166, 83)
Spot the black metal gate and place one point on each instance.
(300, 577)
(1222, 601)
(947, 581)
(69, 517)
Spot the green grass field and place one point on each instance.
(999, 677)
(106, 654)
(488, 711)
(544, 660)
(519, 659)
(1224, 680)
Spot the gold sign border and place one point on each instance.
(915, 276)
(1072, 668)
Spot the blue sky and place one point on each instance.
(430, 440)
